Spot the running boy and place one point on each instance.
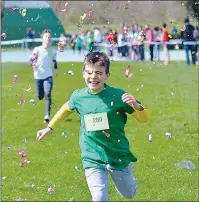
(42, 60)
(104, 146)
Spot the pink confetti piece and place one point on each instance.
(50, 190)
(22, 153)
(61, 10)
(14, 9)
(21, 164)
(22, 101)
(3, 35)
(183, 28)
(90, 13)
(16, 79)
(105, 133)
(127, 72)
(168, 134)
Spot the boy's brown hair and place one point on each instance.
(98, 59)
(45, 31)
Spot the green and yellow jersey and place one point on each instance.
(103, 117)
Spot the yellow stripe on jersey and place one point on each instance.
(63, 112)
(141, 116)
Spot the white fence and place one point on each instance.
(24, 42)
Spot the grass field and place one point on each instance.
(171, 94)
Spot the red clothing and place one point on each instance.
(165, 35)
(110, 37)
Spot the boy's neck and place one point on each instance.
(45, 46)
(97, 91)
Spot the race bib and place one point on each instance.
(95, 122)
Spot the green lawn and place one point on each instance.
(171, 94)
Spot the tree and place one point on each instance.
(193, 7)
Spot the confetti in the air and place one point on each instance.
(22, 153)
(90, 13)
(62, 10)
(50, 190)
(23, 11)
(168, 134)
(127, 72)
(105, 133)
(71, 72)
(15, 79)
(108, 167)
(33, 101)
(64, 134)
(22, 101)
(183, 28)
(28, 89)
(150, 137)
(37, 18)
(81, 20)
(3, 35)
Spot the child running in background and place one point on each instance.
(42, 60)
(103, 112)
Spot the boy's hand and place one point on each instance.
(42, 133)
(131, 101)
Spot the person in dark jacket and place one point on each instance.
(187, 35)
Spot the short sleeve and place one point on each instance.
(35, 52)
(71, 102)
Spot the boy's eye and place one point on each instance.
(91, 72)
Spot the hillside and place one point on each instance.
(115, 12)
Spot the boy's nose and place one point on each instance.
(93, 75)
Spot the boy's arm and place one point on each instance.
(141, 114)
(63, 111)
(33, 57)
(55, 63)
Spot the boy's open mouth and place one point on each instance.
(93, 82)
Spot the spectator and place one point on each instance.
(83, 38)
(78, 43)
(133, 41)
(149, 38)
(89, 41)
(123, 49)
(72, 42)
(165, 39)
(196, 36)
(110, 40)
(97, 39)
(30, 33)
(140, 38)
(188, 41)
(157, 39)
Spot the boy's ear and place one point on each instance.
(107, 76)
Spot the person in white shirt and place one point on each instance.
(97, 38)
(42, 60)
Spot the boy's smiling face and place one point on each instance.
(95, 77)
